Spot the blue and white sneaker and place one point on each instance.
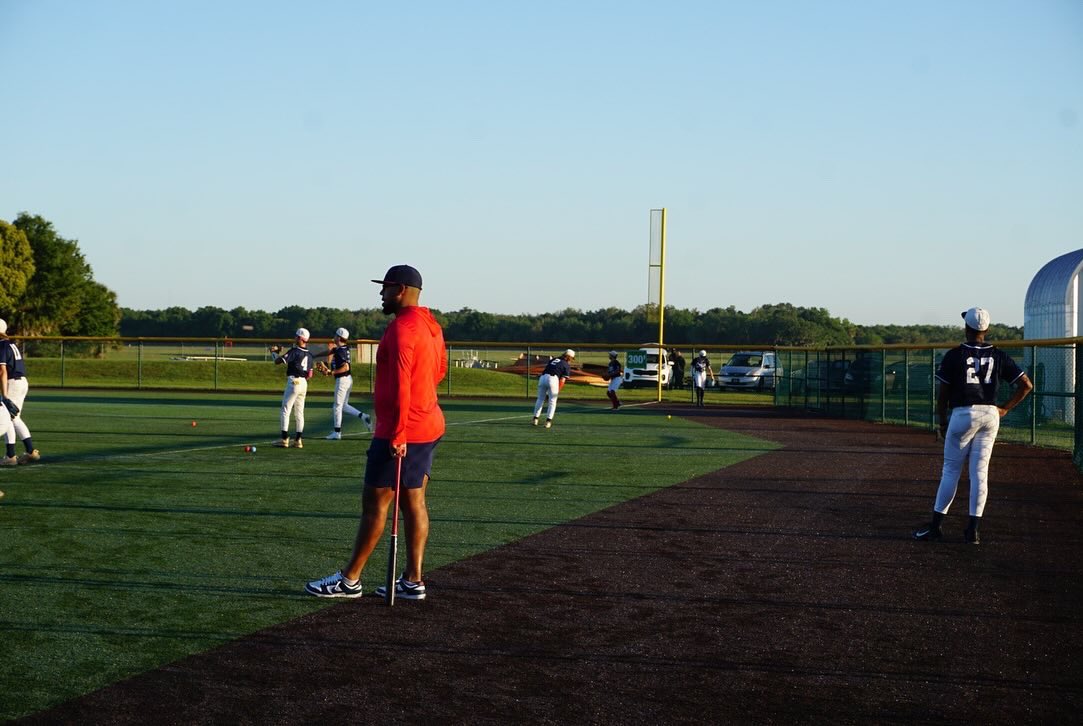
(405, 589)
(367, 420)
(333, 586)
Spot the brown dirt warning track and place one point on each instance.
(784, 589)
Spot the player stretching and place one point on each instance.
(298, 360)
(339, 353)
(969, 376)
(551, 381)
(614, 373)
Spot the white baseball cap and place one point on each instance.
(703, 353)
(570, 353)
(977, 319)
(302, 333)
(342, 333)
(3, 327)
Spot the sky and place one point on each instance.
(890, 162)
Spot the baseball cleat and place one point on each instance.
(333, 586)
(928, 533)
(970, 536)
(333, 436)
(535, 422)
(298, 444)
(548, 423)
(282, 443)
(9, 461)
(29, 457)
(367, 420)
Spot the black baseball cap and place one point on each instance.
(402, 275)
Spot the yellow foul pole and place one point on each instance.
(661, 302)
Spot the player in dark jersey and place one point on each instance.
(701, 368)
(298, 362)
(969, 378)
(13, 390)
(339, 353)
(552, 379)
(614, 373)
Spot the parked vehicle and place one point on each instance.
(866, 375)
(641, 366)
(755, 370)
(823, 376)
(915, 378)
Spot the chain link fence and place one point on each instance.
(889, 384)
(896, 384)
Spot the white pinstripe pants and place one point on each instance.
(972, 431)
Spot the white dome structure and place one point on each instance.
(1051, 310)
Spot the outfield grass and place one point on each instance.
(140, 539)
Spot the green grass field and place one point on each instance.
(140, 539)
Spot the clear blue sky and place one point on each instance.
(892, 162)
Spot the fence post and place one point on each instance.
(139, 366)
(1034, 399)
(447, 352)
(527, 371)
(216, 341)
(61, 363)
(1077, 451)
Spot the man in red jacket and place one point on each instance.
(410, 362)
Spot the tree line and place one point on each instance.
(47, 288)
(781, 324)
(46, 285)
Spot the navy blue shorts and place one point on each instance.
(380, 465)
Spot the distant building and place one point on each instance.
(1051, 310)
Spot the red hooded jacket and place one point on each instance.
(410, 362)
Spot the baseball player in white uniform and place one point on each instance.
(614, 372)
(298, 361)
(969, 376)
(557, 370)
(339, 353)
(701, 368)
(13, 390)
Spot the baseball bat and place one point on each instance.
(393, 551)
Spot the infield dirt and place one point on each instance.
(783, 589)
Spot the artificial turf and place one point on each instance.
(141, 538)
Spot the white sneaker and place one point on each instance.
(367, 420)
(333, 436)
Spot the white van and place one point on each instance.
(641, 366)
(755, 370)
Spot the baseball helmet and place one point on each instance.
(302, 333)
(342, 333)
